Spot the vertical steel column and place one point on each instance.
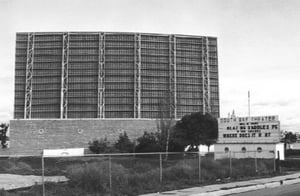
(29, 74)
(160, 168)
(110, 173)
(137, 75)
(43, 174)
(199, 167)
(205, 76)
(101, 75)
(172, 75)
(64, 78)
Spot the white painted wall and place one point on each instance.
(203, 149)
(280, 148)
(295, 146)
(235, 150)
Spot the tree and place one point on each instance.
(165, 123)
(101, 146)
(149, 142)
(195, 129)
(124, 144)
(3, 137)
(288, 138)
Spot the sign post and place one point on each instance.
(68, 152)
(43, 174)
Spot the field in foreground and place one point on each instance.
(134, 174)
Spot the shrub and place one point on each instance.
(292, 152)
(21, 168)
(145, 182)
(214, 169)
(124, 144)
(15, 167)
(149, 142)
(180, 171)
(90, 177)
(3, 192)
(52, 189)
(293, 164)
(101, 146)
(141, 167)
(94, 177)
(3, 135)
(243, 168)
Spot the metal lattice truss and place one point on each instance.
(101, 75)
(29, 73)
(205, 76)
(64, 79)
(172, 73)
(137, 75)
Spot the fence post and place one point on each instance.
(278, 161)
(274, 161)
(230, 164)
(109, 165)
(160, 168)
(199, 160)
(255, 161)
(43, 174)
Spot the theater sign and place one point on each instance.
(259, 129)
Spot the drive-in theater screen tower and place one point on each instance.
(61, 76)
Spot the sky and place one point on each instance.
(258, 43)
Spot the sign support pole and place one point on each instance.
(43, 174)
(199, 157)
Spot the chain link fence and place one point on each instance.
(134, 174)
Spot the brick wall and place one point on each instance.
(31, 136)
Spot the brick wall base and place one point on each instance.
(32, 136)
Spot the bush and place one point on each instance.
(134, 176)
(292, 152)
(149, 142)
(89, 177)
(101, 146)
(21, 168)
(124, 144)
(142, 167)
(52, 189)
(180, 171)
(291, 164)
(15, 167)
(214, 169)
(94, 177)
(3, 135)
(145, 182)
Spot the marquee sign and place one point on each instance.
(260, 129)
(66, 152)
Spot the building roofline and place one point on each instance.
(245, 143)
(66, 119)
(108, 32)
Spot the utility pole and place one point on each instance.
(249, 104)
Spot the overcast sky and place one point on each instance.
(258, 43)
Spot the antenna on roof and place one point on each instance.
(249, 104)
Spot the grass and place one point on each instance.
(132, 175)
(15, 167)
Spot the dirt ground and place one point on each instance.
(12, 181)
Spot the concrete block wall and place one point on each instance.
(268, 150)
(32, 136)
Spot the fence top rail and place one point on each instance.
(126, 154)
(130, 154)
(20, 156)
